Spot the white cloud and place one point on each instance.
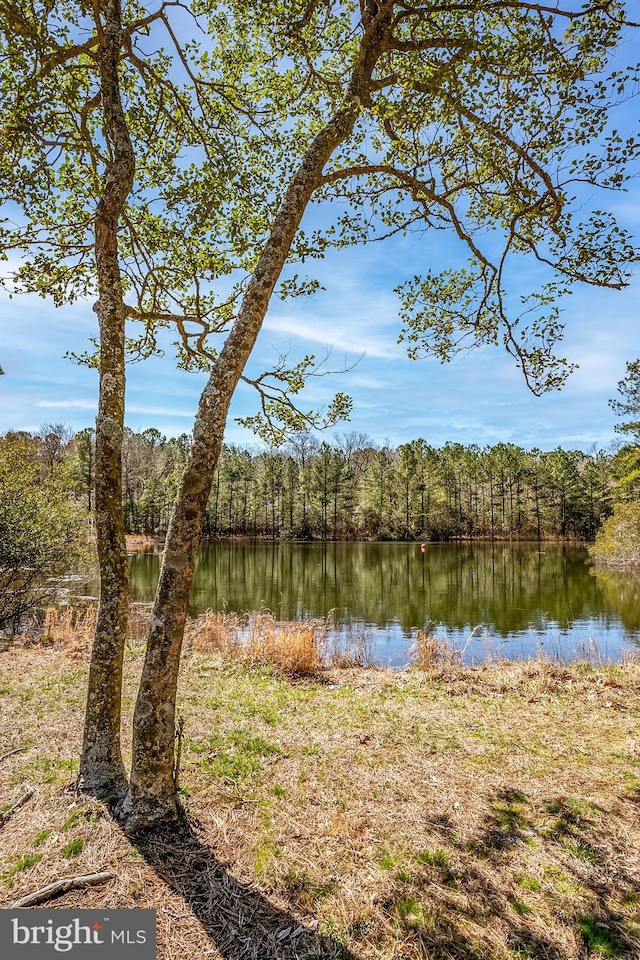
(67, 404)
(339, 333)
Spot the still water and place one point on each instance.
(511, 600)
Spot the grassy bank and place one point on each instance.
(459, 813)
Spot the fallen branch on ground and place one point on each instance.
(61, 886)
(7, 814)
(10, 753)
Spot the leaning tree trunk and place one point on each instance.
(102, 771)
(152, 796)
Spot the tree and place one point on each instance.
(596, 491)
(43, 530)
(469, 132)
(617, 542)
(82, 101)
(54, 440)
(83, 464)
(460, 116)
(304, 446)
(67, 162)
(629, 406)
(628, 457)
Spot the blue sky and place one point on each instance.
(478, 398)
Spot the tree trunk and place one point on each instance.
(101, 770)
(152, 794)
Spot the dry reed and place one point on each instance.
(258, 638)
(214, 630)
(69, 628)
(293, 647)
(348, 651)
(303, 648)
(432, 653)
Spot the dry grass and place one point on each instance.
(71, 629)
(433, 654)
(486, 813)
(258, 638)
(302, 648)
(214, 630)
(66, 628)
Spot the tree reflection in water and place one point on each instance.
(521, 595)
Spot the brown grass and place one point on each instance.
(68, 628)
(303, 648)
(258, 638)
(71, 629)
(488, 812)
(432, 653)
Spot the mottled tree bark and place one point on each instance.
(102, 770)
(152, 794)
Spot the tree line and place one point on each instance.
(350, 488)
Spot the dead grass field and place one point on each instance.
(485, 813)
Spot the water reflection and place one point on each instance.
(521, 595)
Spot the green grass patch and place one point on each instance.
(237, 755)
(75, 817)
(528, 882)
(73, 848)
(434, 858)
(41, 837)
(598, 937)
(581, 850)
(410, 913)
(264, 857)
(50, 770)
(24, 863)
(306, 889)
(388, 860)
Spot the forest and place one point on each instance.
(350, 488)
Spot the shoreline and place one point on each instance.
(140, 541)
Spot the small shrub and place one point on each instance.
(618, 542)
(43, 530)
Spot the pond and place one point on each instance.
(493, 599)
